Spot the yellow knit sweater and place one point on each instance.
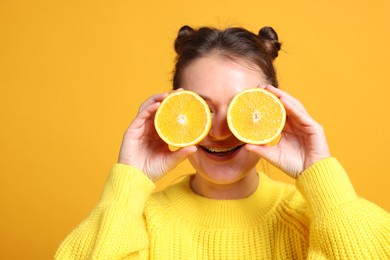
(319, 218)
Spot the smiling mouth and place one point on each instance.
(221, 151)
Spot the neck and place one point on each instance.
(240, 189)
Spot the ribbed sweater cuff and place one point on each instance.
(325, 186)
(127, 186)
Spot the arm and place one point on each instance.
(343, 226)
(115, 229)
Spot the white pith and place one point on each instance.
(182, 119)
(256, 116)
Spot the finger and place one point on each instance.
(284, 95)
(144, 115)
(180, 155)
(151, 100)
(270, 153)
(296, 115)
(263, 86)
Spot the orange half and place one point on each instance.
(256, 116)
(182, 119)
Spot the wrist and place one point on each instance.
(150, 176)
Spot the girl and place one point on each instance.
(226, 209)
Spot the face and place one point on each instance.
(221, 158)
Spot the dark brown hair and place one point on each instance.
(233, 43)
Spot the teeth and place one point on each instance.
(220, 149)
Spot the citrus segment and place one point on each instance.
(256, 116)
(182, 119)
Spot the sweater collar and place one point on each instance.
(226, 213)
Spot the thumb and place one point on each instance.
(270, 153)
(179, 156)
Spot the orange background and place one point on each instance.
(73, 73)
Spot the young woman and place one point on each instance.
(226, 209)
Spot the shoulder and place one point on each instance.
(164, 197)
(290, 198)
(293, 211)
(160, 204)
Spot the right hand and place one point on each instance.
(143, 149)
(302, 143)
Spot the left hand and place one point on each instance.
(302, 141)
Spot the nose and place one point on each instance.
(219, 127)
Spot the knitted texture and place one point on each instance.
(320, 218)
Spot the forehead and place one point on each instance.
(215, 76)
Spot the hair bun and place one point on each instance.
(181, 35)
(270, 41)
